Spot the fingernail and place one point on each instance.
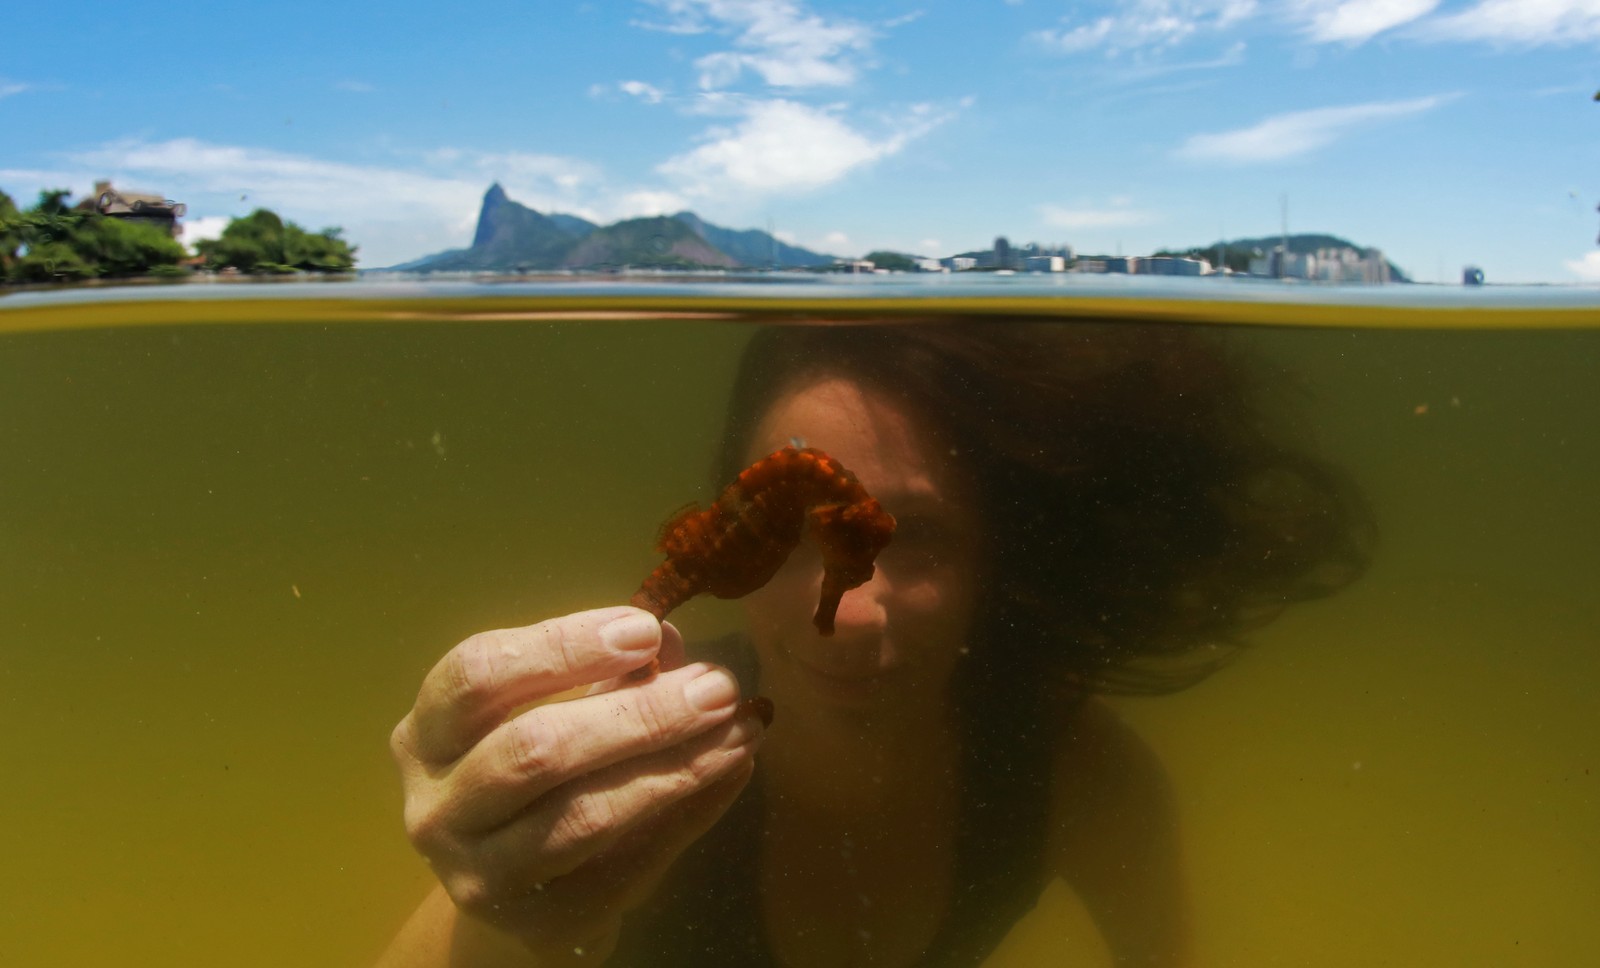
(631, 632)
(711, 690)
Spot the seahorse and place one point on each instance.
(737, 544)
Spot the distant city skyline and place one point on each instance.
(1446, 132)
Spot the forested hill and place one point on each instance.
(1239, 251)
(512, 237)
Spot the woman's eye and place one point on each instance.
(920, 531)
(921, 542)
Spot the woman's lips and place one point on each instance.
(858, 680)
(847, 675)
(834, 690)
(844, 662)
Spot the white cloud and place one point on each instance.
(1078, 38)
(1564, 90)
(648, 93)
(836, 242)
(1145, 28)
(1298, 132)
(1145, 24)
(642, 204)
(1233, 56)
(8, 88)
(1354, 21)
(1530, 22)
(553, 179)
(784, 146)
(274, 179)
(308, 189)
(393, 212)
(779, 40)
(196, 229)
(764, 144)
(355, 87)
(717, 104)
(20, 183)
(1586, 267)
(1117, 215)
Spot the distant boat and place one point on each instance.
(1472, 276)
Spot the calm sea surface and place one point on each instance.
(239, 523)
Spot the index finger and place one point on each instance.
(479, 682)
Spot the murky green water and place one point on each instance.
(229, 553)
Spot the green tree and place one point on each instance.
(324, 251)
(261, 242)
(894, 261)
(53, 242)
(53, 201)
(52, 262)
(10, 235)
(43, 234)
(124, 248)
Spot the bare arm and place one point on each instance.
(1114, 838)
(437, 935)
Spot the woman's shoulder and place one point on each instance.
(1114, 832)
(1095, 743)
(1108, 785)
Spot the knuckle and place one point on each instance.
(686, 772)
(658, 715)
(425, 827)
(588, 817)
(457, 672)
(702, 766)
(401, 742)
(561, 647)
(470, 892)
(698, 770)
(677, 784)
(469, 669)
(533, 747)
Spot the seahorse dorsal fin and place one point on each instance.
(671, 525)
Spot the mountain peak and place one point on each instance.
(512, 237)
(494, 200)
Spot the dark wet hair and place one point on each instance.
(1141, 509)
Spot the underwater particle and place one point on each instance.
(1420, 410)
(295, 589)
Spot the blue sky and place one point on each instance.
(1446, 132)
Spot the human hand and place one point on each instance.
(553, 822)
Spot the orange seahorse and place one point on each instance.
(737, 544)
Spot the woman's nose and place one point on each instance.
(865, 607)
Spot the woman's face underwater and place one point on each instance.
(900, 636)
